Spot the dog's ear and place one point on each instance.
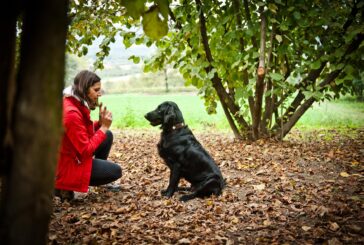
(169, 116)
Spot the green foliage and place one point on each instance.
(311, 54)
(107, 19)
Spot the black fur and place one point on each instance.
(184, 155)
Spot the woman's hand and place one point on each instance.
(100, 110)
(105, 118)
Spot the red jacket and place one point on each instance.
(80, 140)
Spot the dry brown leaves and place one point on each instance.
(300, 191)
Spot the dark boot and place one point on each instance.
(64, 194)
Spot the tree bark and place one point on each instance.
(8, 17)
(259, 87)
(27, 205)
(267, 116)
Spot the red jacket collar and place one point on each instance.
(71, 101)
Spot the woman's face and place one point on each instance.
(93, 94)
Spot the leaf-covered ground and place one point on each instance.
(308, 189)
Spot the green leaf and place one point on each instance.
(297, 15)
(84, 50)
(127, 42)
(315, 65)
(272, 7)
(135, 59)
(276, 76)
(134, 8)
(153, 26)
(283, 26)
(163, 7)
(279, 38)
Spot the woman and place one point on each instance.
(85, 144)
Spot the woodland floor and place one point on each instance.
(308, 189)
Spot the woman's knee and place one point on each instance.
(120, 172)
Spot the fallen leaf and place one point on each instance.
(184, 241)
(334, 226)
(306, 228)
(354, 163)
(267, 222)
(259, 187)
(344, 174)
(334, 241)
(235, 220)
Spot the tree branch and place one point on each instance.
(351, 17)
(267, 117)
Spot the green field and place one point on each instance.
(129, 110)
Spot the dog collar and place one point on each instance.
(178, 126)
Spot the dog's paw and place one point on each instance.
(167, 193)
(186, 198)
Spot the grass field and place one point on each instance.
(129, 109)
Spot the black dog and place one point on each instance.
(184, 155)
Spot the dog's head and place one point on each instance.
(167, 115)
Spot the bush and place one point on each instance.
(358, 89)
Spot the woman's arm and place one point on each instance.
(76, 131)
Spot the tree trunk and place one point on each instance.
(27, 199)
(8, 18)
(259, 87)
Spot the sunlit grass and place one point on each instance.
(332, 115)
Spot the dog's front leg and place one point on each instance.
(174, 178)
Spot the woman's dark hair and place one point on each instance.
(83, 81)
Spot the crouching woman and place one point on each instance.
(85, 144)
